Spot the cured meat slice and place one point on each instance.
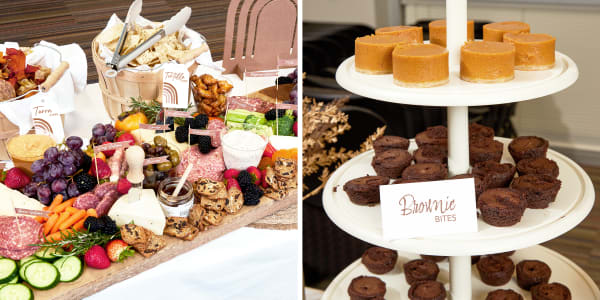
(86, 201)
(104, 188)
(107, 202)
(16, 234)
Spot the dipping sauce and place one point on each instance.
(179, 205)
(242, 149)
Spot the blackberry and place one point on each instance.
(194, 139)
(252, 195)
(245, 180)
(92, 224)
(109, 226)
(170, 121)
(200, 121)
(86, 163)
(204, 144)
(85, 182)
(274, 113)
(181, 134)
(284, 80)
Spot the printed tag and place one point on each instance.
(112, 146)
(286, 62)
(156, 160)
(154, 126)
(176, 86)
(214, 134)
(46, 119)
(286, 106)
(261, 74)
(177, 114)
(428, 208)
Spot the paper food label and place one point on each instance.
(424, 209)
(46, 120)
(155, 127)
(156, 160)
(177, 114)
(176, 86)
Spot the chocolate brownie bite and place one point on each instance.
(527, 147)
(436, 135)
(365, 190)
(400, 181)
(366, 288)
(539, 190)
(501, 206)
(389, 142)
(507, 253)
(475, 259)
(391, 163)
(426, 172)
(495, 270)
(537, 165)
(431, 154)
(419, 270)
(427, 290)
(483, 149)
(494, 174)
(477, 131)
(433, 258)
(379, 260)
(503, 295)
(550, 291)
(532, 272)
(479, 183)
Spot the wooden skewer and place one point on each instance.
(54, 76)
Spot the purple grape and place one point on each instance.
(44, 200)
(59, 185)
(46, 175)
(101, 140)
(30, 190)
(72, 190)
(69, 170)
(294, 96)
(66, 158)
(38, 177)
(43, 191)
(55, 170)
(51, 154)
(98, 130)
(37, 166)
(74, 142)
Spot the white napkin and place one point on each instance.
(63, 92)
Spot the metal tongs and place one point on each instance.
(170, 26)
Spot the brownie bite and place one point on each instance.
(389, 142)
(365, 190)
(400, 181)
(527, 147)
(501, 206)
(475, 259)
(503, 295)
(495, 270)
(419, 270)
(550, 291)
(537, 165)
(425, 172)
(366, 288)
(391, 163)
(431, 154)
(477, 131)
(532, 272)
(379, 260)
(436, 135)
(483, 149)
(479, 183)
(427, 290)
(494, 174)
(539, 190)
(507, 253)
(433, 258)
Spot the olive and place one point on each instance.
(160, 141)
(174, 158)
(159, 150)
(148, 171)
(160, 176)
(165, 166)
(146, 146)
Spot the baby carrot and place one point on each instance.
(51, 221)
(57, 200)
(72, 220)
(72, 210)
(57, 236)
(92, 212)
(61, 218)
(61, 207)
(79, 225)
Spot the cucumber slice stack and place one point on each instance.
(15, 291)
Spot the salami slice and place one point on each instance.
(16, 234)
(106, 203)
(104, 188)
(86, 201)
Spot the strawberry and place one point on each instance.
(231, 173)
(118, 250)
(263, 180)
(96, 258)
(108, 153)
(16, 178)
(269, 150)
(255, 173)
(127, 137)
(103, 170)
(232, 183)
(123, 186)
(295, 128)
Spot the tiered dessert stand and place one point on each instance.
(572, 205)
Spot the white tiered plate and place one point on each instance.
(563, 271)
(526, 85)
(573, 203)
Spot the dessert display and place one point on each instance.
(538, 165)
(501, 206)
(484, 149)
(427, 290)
(420, 65)
(550, 291)
(503, 295)
(437, 32)
(494, 174)
(477, 131)
(425, 171)
(495, 270)
(494, 32)
(366, 288)
(531, 273)
(373, 53)
(379, 260)
(412, 34)
(527, 147)
(391, 163)
(534, 51)
(538, 190)
(420, 270)
(365, 190)
(388, 142)
(487, 62)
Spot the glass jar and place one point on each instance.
(179, 205)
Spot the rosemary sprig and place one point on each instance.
(150, 109)
(80, 241)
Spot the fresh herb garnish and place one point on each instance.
(79, 242)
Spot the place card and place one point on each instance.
(432, 208)
(176, 86)
(155, 160)
(46, 119)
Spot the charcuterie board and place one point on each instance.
(94, 280)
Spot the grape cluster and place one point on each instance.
(52, 174)
(291, 78)
(103, 133)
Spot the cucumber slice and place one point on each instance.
(26, 259)
(24, 266)
(42, 275)
(15, 280)
(8, 269)
(16, 291)
(70, 268)
(48, 254)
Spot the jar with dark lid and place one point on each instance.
(178, 205)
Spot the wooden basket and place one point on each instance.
(117, 92)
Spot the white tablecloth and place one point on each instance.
(245, 264)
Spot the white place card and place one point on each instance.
(431, 208)
(176, 86)
(46, 120)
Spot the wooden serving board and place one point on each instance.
(94, 280)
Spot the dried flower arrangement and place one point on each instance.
(321, 125)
